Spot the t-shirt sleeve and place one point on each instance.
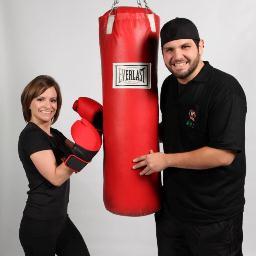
(163, 94)
(60, 135)
(34, 141)
(226, 121)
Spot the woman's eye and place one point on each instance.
(39, 99)
(54, 100)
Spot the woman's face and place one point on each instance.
(44, 106)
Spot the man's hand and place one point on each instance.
(153, 162)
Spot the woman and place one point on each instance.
(46, 228)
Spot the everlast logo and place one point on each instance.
(132, 75)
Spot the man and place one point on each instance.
(203, 133)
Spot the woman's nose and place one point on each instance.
(47, 103)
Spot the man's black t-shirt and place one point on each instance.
(45, 201)
(209, 111)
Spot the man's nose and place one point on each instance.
(177, 54)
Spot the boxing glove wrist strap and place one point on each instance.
(79, 158)
(75, 163)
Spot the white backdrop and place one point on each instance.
(60, 38)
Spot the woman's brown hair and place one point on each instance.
(35, 88)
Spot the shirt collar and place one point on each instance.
(204, 74)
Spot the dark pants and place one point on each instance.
(177, 238)
(47, 238)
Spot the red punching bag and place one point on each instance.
(129, 48)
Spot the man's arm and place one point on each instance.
(199, 159)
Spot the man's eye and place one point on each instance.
(185, 46)
(168, 50)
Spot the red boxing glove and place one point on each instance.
(91, 110)
(87, 144)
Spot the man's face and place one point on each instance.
(182, 58)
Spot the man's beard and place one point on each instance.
(191, 69)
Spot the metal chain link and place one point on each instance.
(116, 2)
(139, 3)
(146, 4)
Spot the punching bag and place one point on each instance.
(129, 47)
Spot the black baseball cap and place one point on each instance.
(178, 28)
